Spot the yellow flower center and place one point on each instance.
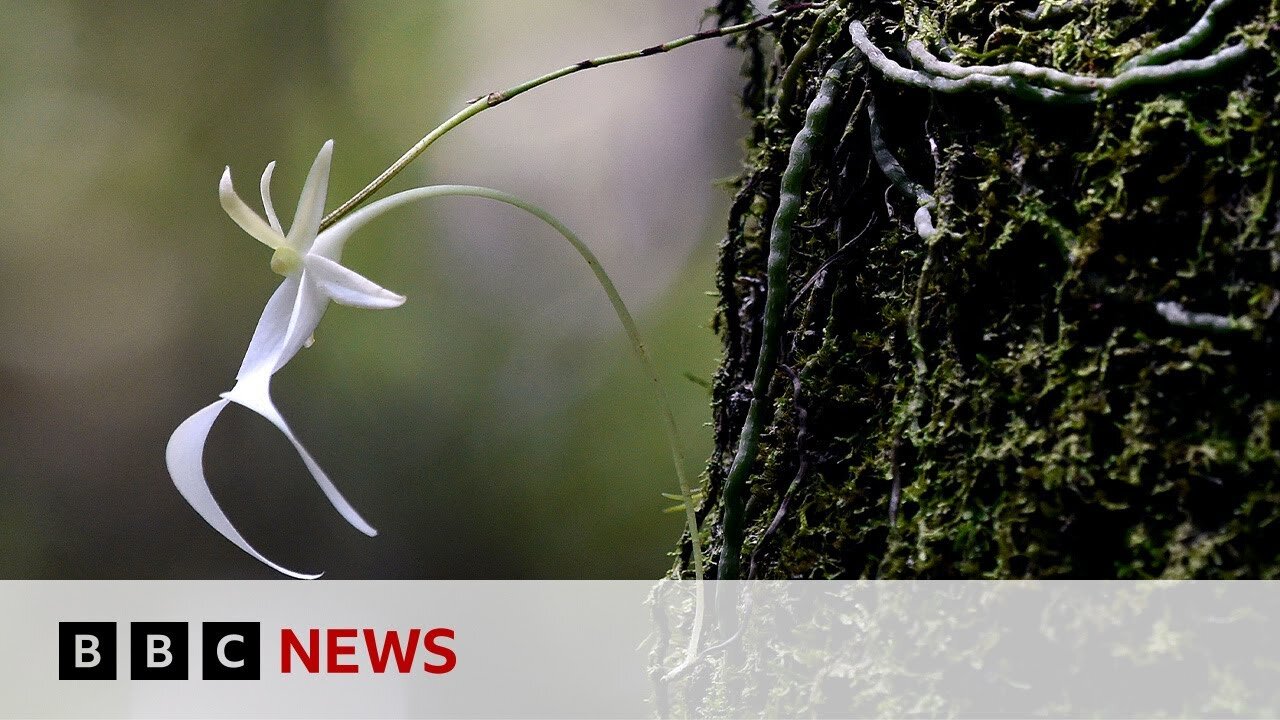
(286, 261)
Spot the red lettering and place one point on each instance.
(341, 642)
(335, 635)
(404, 655)
(450, 660)
(310, 656)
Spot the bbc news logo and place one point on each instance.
(233, 651)
(158, 651)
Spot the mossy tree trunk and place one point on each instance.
(1007, 399)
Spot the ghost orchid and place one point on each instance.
(309, 261)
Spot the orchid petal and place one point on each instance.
(348, 287)
(185, 458)
(272, 327)
(287, 324)
(254, 392)
(306, 221)
(245, 217)
(265, 187)
(308, 308)
(330, 242)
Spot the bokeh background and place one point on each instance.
(496, 426)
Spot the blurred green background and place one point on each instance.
(496, 426)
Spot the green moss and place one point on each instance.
(1038, 417)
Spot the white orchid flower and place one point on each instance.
(309, 261)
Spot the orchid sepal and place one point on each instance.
(313, 278)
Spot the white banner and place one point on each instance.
(621, 649)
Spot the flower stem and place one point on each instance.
(628, 324)
(659, 391)
(485, 102)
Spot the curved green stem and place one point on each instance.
(789, 201)
(480, 104)
(628, 324)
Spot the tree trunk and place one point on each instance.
(1075, 376)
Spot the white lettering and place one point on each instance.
(157, 647)
(222, 651)
(87, 646)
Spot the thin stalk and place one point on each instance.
(628, 324)
(480, 104)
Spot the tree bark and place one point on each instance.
(1076, 375)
